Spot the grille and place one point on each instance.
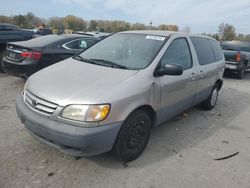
(39, 104)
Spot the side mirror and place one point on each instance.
(169, 69)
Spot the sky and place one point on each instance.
(201, 16)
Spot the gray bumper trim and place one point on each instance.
(76, 141)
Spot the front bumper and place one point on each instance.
(72, 140)
(18, 69)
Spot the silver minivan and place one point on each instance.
(111, 95)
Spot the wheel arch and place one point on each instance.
(219, 82)
(149, 110)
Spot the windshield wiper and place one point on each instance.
(80, 58)
(109, 63)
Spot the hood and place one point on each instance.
(76, 82)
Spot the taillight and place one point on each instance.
(238, 57)
(32, 55)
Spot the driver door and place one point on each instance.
(177, 92)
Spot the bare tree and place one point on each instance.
(226, 32)
(186, 29)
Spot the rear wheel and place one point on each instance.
(133, 136)
(242, 72)
(212, 99)
(2, 49)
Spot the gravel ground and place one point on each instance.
(180, 153)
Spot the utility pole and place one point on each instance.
(150, 25)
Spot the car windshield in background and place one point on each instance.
(235, 47)
(125, 51)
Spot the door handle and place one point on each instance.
(193, 76)
(200, 75)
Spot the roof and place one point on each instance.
(93, 33)
(72, 35)
(152, 32)
(163, 33)
(47, 40)
(7, 24)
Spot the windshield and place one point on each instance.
(235, 47)
(127, 51)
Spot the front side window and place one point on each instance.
(178, 53)
(130, 51)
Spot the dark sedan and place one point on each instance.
(25, 58)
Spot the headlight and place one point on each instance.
(86, 113)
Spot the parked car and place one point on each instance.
(24, 58)
(112, 94)
(101, 35)
(237, 56)
(9, 33)
(42, 32)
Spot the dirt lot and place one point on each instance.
(180, 153)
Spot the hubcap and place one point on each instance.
(214, 96)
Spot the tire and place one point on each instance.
(133, 136)
(241, 74)
(1, 56)
(210, 103)
(2, 49)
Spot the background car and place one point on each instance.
(42, 32)
(101, 35)
(24, 58)
(237, 56)
(10, 33)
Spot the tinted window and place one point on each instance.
(203, 50)
(230, 47)
(245, 49)
(44, 32)
(217, 50)
(178, 53)
(80, 44)
(236, 46)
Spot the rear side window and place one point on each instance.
(178, 53)
(203, 50)
(218, 54)
(80, 44)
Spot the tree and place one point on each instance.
(92, 25)
(168, 27)
(137, 26)
(216, 36)
(186, 29)
(6, 19)
(74, 23)
(55, 22)
(227, 32)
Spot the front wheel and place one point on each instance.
(133, 136)
(212, 99)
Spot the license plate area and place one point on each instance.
(12, 55)
(231, 67)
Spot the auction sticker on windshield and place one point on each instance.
(155, 37)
